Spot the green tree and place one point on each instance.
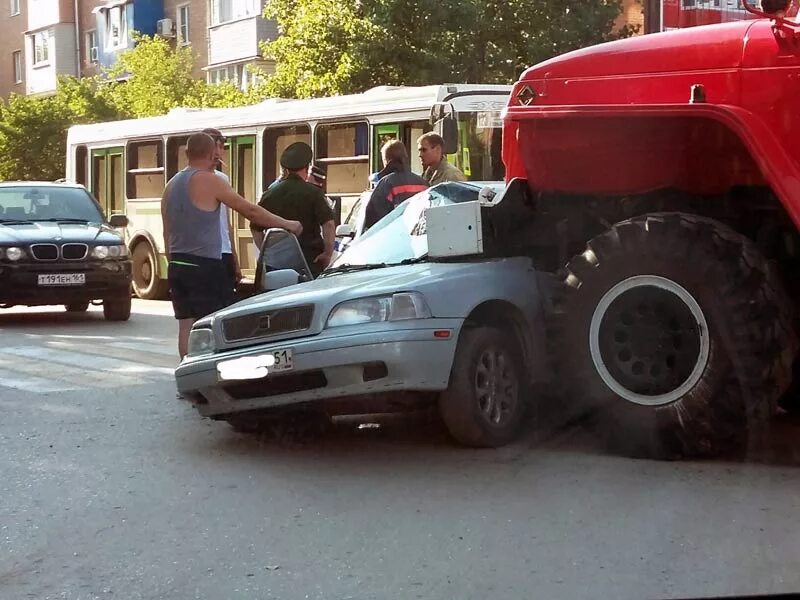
(330, 47)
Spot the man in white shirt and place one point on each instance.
(228, 250)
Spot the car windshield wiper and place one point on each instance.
(410, 261)
(64, 220)
(15, 221)
(348, 268)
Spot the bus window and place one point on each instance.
(176, 155)
(383, 134)
(480, 146)
(145, 169)
(345, 151)
(81, 164)
(275, 142)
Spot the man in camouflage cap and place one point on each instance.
(293, 195)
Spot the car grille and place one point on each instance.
(277, 385)
(74, 251)
(267, 323)
(44, 251)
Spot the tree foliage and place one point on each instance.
(150, 79)
(331, 47)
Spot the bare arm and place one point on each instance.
(226, 194)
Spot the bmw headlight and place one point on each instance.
(100, 252)
(201, 341)
(397, 307)
(115, 251)
(14, 253)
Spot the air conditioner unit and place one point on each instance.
(164, 28)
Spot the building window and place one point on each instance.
(116, 28)
(239, 75)
(183, 24)
(17, 58)
(41, 47)
(91, 46)
(229, 10)
(14, 7)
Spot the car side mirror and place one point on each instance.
(275, 280)
(118, 221)
(345, 230)
(281, 252)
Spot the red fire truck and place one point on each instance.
(665, 172)
(675, 14)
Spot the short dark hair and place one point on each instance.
(200, 145)
(216, 134)
(395, 150)
(433, 138)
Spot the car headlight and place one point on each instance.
(117, 251)
(397, 307)
(100, 252)
(201, 341)
(14, 253)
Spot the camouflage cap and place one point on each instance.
(296, 156)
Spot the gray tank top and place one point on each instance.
(191, 230)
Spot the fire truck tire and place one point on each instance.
(674, 337)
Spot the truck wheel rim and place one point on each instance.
(649, 340)
(144, 274)
(495, 387)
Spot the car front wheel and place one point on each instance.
(117, 308)
(484, 405)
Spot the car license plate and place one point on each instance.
(255, 367)
(62, 279)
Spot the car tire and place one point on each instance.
(77, 306)
(147, 285)
(117, 308)
(484, 405)
(675, 336)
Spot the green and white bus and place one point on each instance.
(126, 164)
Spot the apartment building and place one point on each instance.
(13, 22)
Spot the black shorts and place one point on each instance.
(198, 285)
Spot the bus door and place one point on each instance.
(407, 132)
(108, 180)
(241, 168)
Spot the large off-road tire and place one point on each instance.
(144, 270)
(675, 335)
(117, 308)
(484, 405)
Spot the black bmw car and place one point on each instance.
(56, 247)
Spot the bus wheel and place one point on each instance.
(675, 336)
(146, 282)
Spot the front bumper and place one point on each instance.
(104, 279)
(328, 367)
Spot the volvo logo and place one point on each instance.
(263, 322)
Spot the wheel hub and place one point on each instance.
(495, 387)
(649, 340)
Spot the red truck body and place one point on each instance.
(690, 13)
(662, 176)
(617, 118)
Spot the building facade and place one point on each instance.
(42, 39)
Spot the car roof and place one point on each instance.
(70, 184)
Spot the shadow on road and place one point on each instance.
(421, 437)
(32, 321)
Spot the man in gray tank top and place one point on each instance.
(190, 212)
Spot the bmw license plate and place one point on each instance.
(255, 367)
(62, 279)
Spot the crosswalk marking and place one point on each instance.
(60, 366)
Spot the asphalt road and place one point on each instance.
(110, 487)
